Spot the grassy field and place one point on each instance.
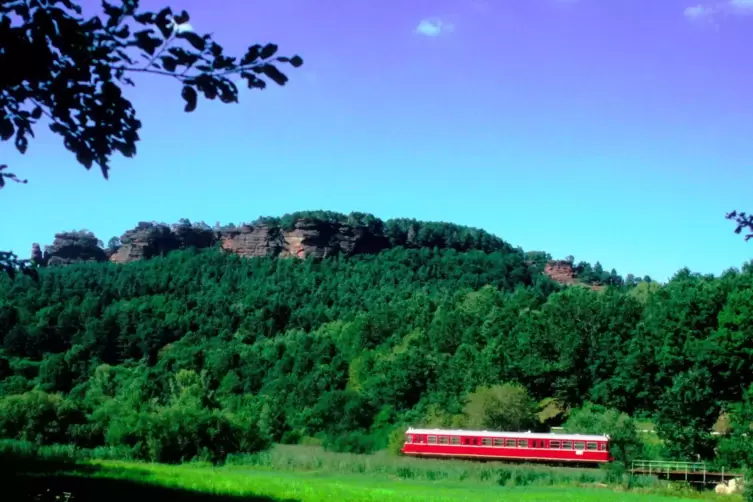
(190, 482)
(306, 474)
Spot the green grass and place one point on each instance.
(309, 474)
(318, 487)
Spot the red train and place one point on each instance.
(523, 446)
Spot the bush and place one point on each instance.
(506, 407)
(397, 440)
(176, 434)
(353, 442)
(38, 417)
(624, 443)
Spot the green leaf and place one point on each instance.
(123, 33)
(268, 51)
(295, 61)
(195, 40)
(22, 143)
(144, 41)
(6, 129)
(189, 94)
(273, 73)
(182, 18)
(253, 81)
(144, 18)
(252, 54)
(112, 12)
(169, 63)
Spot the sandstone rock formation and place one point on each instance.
(252, 240)
(36, 254)
(68, 248)
(149, 239)
(307, 238)
(561, 271)
(302, 237)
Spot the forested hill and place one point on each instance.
(204, 352)
(315, 234)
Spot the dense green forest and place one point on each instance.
(203, 353)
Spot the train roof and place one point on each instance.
(517, 435)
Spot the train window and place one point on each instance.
(510, 443)
(522, 443)
(580, 445)
(409, 438)
(432, 440)
(567, 445)
(591, 446)
(443, 440)
(554, 444)
(602, 446)
(486, 442)
(499, 442)
(454, 440)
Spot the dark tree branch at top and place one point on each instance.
(72, 70)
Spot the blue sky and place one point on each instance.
(618, 131)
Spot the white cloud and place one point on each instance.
(708, 12)
(741, 6)
(434, 27)
(697, 12)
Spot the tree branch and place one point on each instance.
(744, 221)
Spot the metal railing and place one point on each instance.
(668, 466)
(696, 472)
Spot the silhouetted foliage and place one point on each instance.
(11, 265)
(744, 222)
(71, 69)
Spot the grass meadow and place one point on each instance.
(309, 474)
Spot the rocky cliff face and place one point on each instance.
(69, 247)
(148, 240)
(308, 237)
(561, 271)
(304, 237)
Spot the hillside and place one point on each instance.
(309, 234)
(204, 350)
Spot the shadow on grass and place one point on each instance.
(25, 478)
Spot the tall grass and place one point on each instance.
(384, 467)
(382, 464)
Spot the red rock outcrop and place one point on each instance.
(157, 239)
(71, 247)
(308, 238)
(561, 271)
(250, 240)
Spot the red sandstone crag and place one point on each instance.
(250, 241)
(69, 248)
(308, 238)
(561, 271)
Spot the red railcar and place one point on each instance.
(522, 446)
